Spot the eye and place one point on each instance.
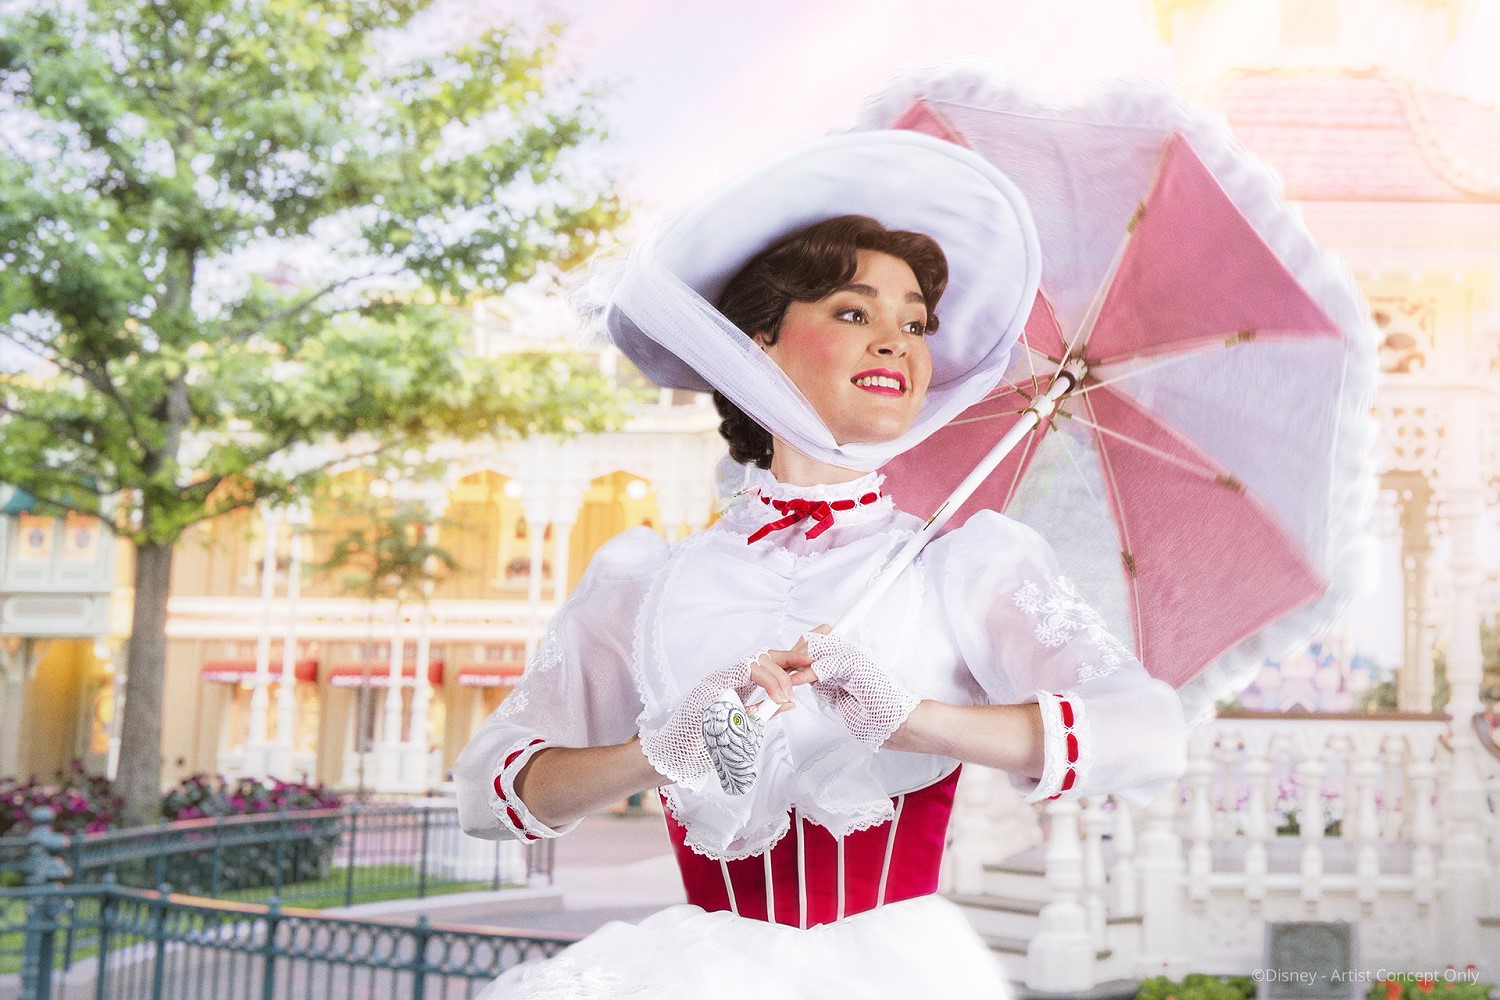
(917, 327)
(852, 315)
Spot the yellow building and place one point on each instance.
(522, 520)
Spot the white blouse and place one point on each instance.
(981, 617)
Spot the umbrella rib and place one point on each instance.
(1170, 459)
(1128, 553)
(982, 417)
(1083, 478)
(1096, 304)
(1122, 376)
(1030, 362)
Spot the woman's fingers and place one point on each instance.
(772, 678)
(777, 671)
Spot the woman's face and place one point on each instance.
(860, 354)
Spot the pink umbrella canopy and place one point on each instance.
(1206, 484)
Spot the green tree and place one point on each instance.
(154, 153)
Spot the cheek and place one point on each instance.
(808, 347)
(924, 366)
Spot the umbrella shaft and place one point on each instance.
(1041, 408)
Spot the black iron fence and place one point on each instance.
(146, 945)
(316, 858)
(124, 914)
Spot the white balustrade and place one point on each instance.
(1200, 768)
(1093, 822)
(1061, 954)
(1277, 818)
(1124, 880)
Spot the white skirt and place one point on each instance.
(917, 947)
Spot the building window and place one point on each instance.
(1309, 23)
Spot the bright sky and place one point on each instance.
(699, 92)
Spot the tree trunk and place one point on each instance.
(139, 781)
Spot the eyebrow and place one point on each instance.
(870, 292)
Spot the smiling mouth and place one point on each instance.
(883, 383)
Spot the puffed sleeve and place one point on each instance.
(1026, 636)
(577, 690)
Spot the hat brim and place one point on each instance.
(905, 180)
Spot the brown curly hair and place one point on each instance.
(805, 267)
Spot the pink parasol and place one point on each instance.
(1198, 372)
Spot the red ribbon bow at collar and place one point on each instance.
(798, 509)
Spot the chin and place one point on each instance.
(870, 435)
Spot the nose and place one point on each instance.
(888, 341)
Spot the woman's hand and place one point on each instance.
(870, 702)
(778, 671)
(677, 749)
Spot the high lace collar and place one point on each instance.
(784, 514)
(761, 482)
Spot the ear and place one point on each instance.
(763, 338)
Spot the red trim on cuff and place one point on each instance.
(499, 789)
(1070, 777)
(510, 758)
(515, 819)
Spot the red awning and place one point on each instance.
(235, 671)
(379, 673)
(490, 675)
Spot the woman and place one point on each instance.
(826, 358)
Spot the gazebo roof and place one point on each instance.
(1363, 135)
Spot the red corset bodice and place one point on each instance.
(812, 877)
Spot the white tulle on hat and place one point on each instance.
(657, 305)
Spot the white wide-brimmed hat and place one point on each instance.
(658, 308)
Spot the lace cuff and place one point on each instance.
(871, 704)
(1062, 736)
(507, 805)
(677, 749)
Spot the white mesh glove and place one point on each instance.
(871, 704)
(677, 750)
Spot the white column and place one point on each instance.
(1465, 868)
(280, 762)
(969, 833)
(1061, 955)
(562, 531)
(15, 658)
(1200, 769)
(1415, 682)
(1163, 948)
(1258, 826)
(1310, 771)
(389, 754)
(416, 756)
(1124, 881)
(536, 528)
(1360, 816)
(567, 504)
(414, 765)
(1421, 781)
(257, 747)
(1093, 822)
